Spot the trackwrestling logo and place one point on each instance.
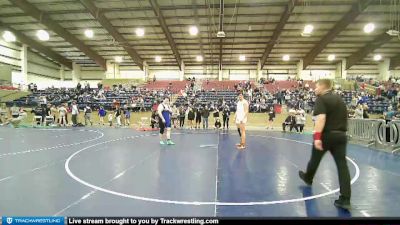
(9, 220)
(33, 220)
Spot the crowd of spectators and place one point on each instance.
(194, 106)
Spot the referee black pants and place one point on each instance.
(336, 143)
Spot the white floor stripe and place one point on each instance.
(6, 178)
(55, 147)
(365, 213)
(326, 187)
(72, 175)
(108, 182)
(216, 181)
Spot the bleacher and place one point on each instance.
(209, 98)
(221, 85)
(378, 105)
(7, 87)
(172, 86)
(54, 98)
(281, 85)
(286, 85)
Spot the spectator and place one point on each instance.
(359, 112)
(62, 111)
(127, 114)
(216, 114)
(271, 117)
(110, 119)
(118, 113)
(154, 119)
(102, 113)
(365, 111)
(290, 121)
(205, 113)
(198, 117)
(182, 115)
(175, 115)
(217, 124)
(300, 119)
(191, 117)
(88, 115)
(74, 113)
(54, 111)
(3, 114)
(225, 116)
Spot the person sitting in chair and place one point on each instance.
(290, 121)
(217, 124)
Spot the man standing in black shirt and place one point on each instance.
(330, 135)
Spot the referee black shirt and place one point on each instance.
(335, 109)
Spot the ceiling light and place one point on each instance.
(377, 57)
(118, 59)
(43, 35)
(286, 58)
(89, 33)
(331, 57)
(242, 57)
(368, 28)
(193, 30)
(158, 58)
(8, 36)
(199, 58)
(139, 32)
(308, 29)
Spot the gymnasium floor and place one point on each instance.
(123, 172)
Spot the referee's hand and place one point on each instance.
(318, 145)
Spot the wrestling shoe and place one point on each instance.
(302, 176)
(343, 203)
(169, 142)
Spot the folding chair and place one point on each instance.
(37, 120)
(143, 122)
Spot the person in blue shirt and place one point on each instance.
(164, 113)
(102, 113)
(127, 113)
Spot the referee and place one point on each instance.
(330, 135)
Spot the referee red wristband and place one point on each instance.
(317, 136)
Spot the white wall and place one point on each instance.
(130, 72)
(202, 72)
(164, 73)
(317, 74)
(10, 53)
(41, 71)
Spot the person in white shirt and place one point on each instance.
(110, 119)
(88, 115)
(242, 110)
(74, 113)
(359, 112)
(300, 119)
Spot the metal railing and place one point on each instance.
(375, 133)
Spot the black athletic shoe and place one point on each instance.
(302, 176)
(343, 203)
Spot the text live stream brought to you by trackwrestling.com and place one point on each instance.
(9, 220)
